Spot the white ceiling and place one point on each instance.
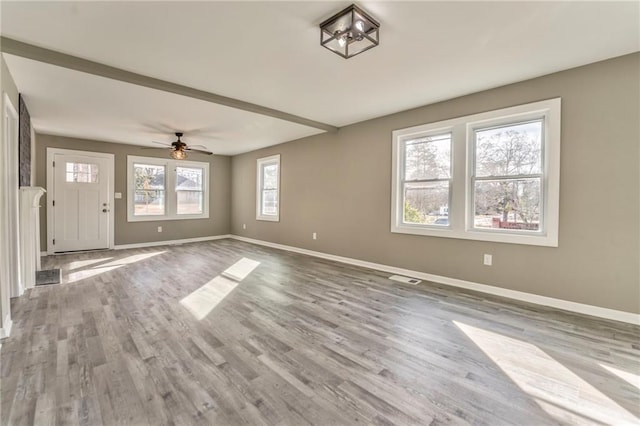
(268, 53)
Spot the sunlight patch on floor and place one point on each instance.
(204, 299)
(77, 264)
(87, 273)
(239, 270)
(633, 379)
(110, 266)
(555, 388)
(133, 259)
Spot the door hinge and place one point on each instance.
(54, 241)
(54, 164)
(54, 203)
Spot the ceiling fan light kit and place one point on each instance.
(178, 154)
(350, 32)
(179, 149)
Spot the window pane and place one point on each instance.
(426, 203)
(148, 176)
(148, 203)
(270, 176)
(81, 173)
(188, 178)
(190, 202)
(508, 204)
(515, 149)
(428, 157)
(270, 202)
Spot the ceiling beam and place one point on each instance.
(40, 54)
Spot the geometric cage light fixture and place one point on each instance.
(350, 32)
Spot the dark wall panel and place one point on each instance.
(24, 153)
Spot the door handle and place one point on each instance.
(105, 210)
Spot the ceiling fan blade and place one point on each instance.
(200, 151)
(198, 146)
(168, 145)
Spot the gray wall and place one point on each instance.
(142, 232)
(339, 185)
(9, 87)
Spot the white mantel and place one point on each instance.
(29, 236)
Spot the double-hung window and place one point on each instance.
(492, 176)
(268, 189)
(164, 189)
(507, 176)
(426, 181)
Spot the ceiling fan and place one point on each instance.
(179, 149)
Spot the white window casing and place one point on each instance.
(268, 188)
(172, 189)
(460, 211)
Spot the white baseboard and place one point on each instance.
(5, 331)
(170, 242)
(566, 305)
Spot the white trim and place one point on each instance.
(11, 199)
(461, 194)
(51, 152)
(170, 193)
(260, 162)
(171, 242)
(5, 331)
(566, 305)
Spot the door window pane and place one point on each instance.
(508, 204)
(81, 173)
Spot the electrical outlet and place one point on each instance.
(315, 236)
(159, 228)
(244, 226)
(488, 259)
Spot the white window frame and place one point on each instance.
(461, 223)
(171, 195)
(261, 163)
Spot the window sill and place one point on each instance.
(162, 218)
(489, 236)
(269, 218)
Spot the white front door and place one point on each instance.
(81, 200)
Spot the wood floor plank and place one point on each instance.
(298, 341)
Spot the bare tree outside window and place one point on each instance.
(508, 176)
(426, 183)
(149, 189)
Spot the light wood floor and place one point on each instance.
(159, 336)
